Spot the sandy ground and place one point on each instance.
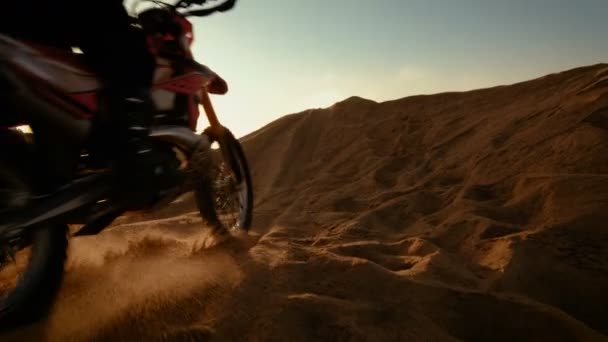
(476, 216)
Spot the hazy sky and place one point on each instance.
(285, 56)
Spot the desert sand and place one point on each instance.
(469, 216)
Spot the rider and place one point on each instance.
(119, 54)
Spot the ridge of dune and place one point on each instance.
(505, 187)
(469, 216)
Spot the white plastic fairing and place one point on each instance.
(163, 71)
(163, 99)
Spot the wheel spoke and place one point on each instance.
(12, 268)
(11, 254)
(229, 196)
(230, 184)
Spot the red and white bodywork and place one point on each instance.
(62, 78)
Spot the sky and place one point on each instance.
(285, 56)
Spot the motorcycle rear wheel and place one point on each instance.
(31, 261)
(28, 297)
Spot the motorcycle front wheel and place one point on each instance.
(231, 191)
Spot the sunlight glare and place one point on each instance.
(25, 129)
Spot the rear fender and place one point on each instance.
(26, 106)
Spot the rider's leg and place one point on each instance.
(120, 55)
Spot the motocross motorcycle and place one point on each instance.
(61, 99)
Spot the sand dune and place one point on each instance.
(475, 216)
